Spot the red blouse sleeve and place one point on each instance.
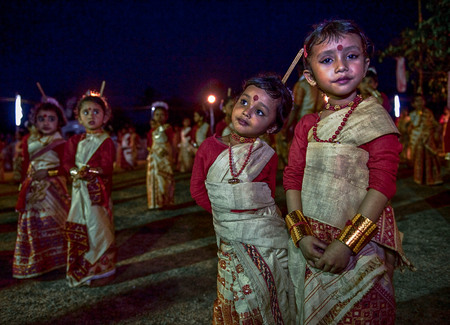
(70, 150)
(206, 152)
(104, 157)
(384, 156)
(293, 173)
(60, 152)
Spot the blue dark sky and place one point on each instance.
(178, 48)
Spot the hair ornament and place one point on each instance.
(160, 104)
(305, 54)
(372, 69)
(293, 64)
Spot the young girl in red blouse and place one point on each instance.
(234, 178)
(43, 199)
(89, 159)
(339, 180)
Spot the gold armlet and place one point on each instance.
(358, 232)
(52, 172)
(93, 171)
(298, 226)
(73, 171)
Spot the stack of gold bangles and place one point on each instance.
(358, 232)
(298, 226)
(52, 172)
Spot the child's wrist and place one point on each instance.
(298, 226)
(357, 233)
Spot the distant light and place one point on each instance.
(396, 106)
(211, 99)
(19, 113)
(153, 108)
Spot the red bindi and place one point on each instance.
(45, 115)
(340, 47)
(255, 98)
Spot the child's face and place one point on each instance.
(198, 118)
(367, 85)
(418, 103)
(186, 122)
(338, 67)
(47, 122)
(254, 113)
(159, 116)
(91, 116)
(228, 108)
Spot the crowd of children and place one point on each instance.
(330, 260)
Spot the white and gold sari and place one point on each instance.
(253, 286)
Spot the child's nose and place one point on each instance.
(341, 65)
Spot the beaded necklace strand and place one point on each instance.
(236, 137)
(353, 104)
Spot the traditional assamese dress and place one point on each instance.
(42, 206)
(424, 146)
(90, 225)
(333, 179)
(253, 285)
(160, 180)
(185, 154)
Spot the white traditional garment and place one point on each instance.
(43, 205)
(160, 180)
(336, 179)
(185, 155)
(201, 134)
(96, 218)
(255, 241)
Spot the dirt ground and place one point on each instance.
(167, 261)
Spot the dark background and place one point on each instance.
(178, 51)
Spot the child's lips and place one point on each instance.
(242, 122)
(343, 80)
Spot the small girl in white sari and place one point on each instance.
(89, 159)
(234, 177)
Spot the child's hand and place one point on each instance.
(312, 249)
(335, 258)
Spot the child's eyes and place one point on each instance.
(52, 118)
(259, 112)
(243, 102)
(85, 112)
(96, 112)
(353, 56)
(326, 61)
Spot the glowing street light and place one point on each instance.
(19, 112)
(211, 100)
(397, 106)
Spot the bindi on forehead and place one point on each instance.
(255, 98)
(340, 47)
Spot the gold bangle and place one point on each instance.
(93, 171)
(358, 233)
(298, 226)
(73, 171)
(53, 172)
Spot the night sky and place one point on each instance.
(169, 49)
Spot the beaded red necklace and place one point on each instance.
(335, 108)
(352, 104)
(235, 178)
(241, 139)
